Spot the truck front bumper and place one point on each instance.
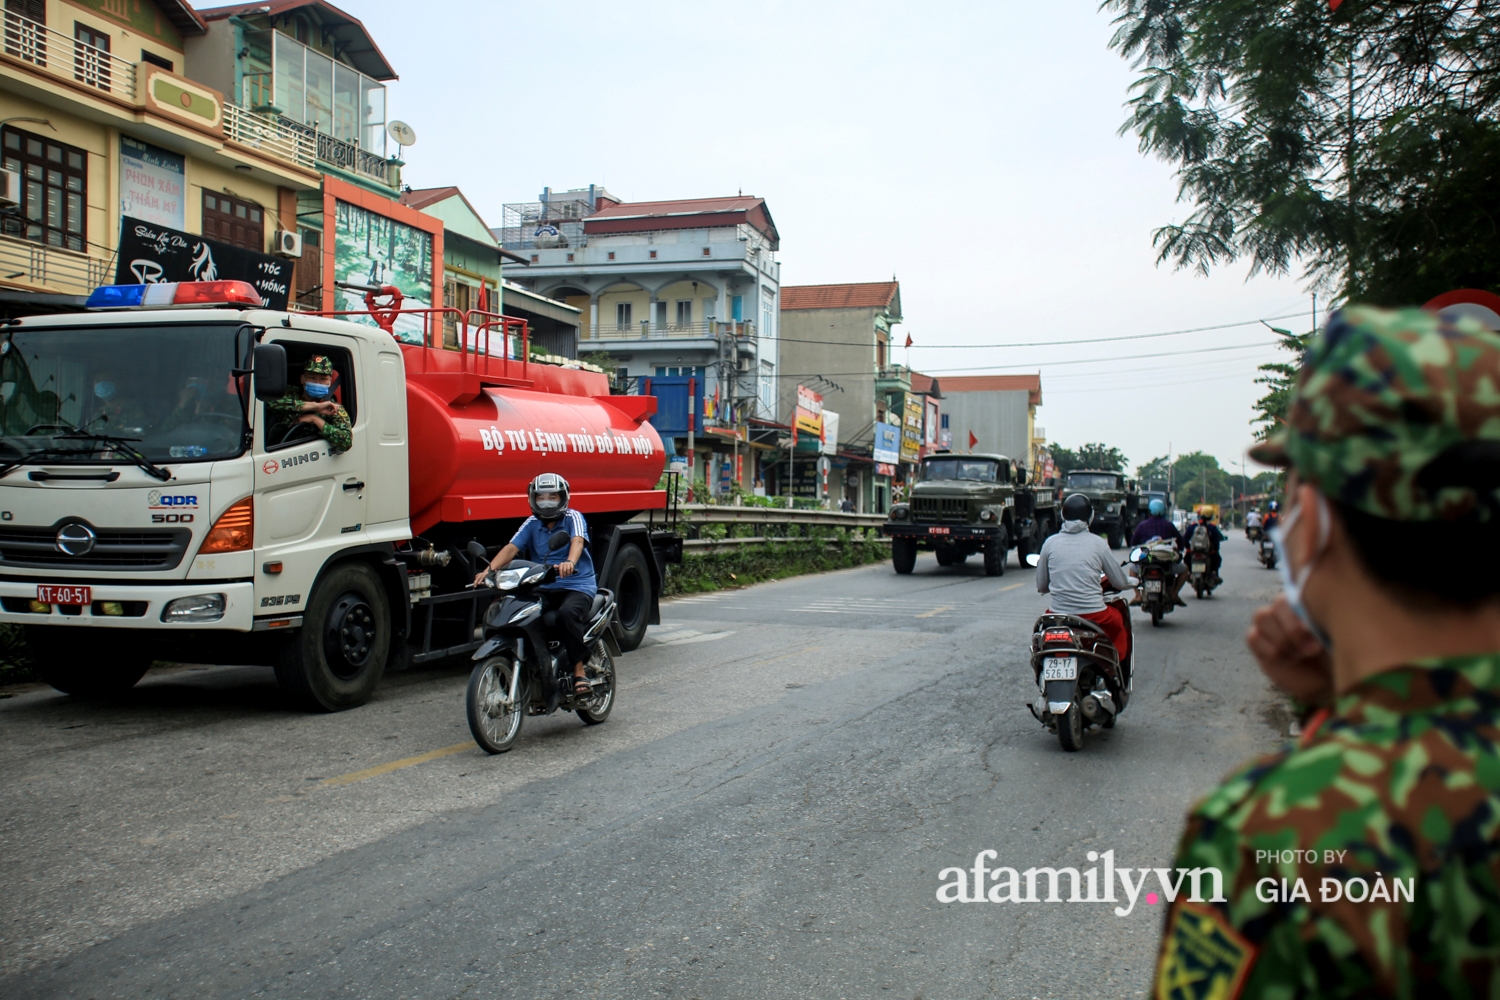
(143, 604)
(938, 532)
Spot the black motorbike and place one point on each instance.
(1080, 677)
(1200, 565)
(522, 667)
(1154, 564)
(1267, 552)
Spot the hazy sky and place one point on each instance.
(968, 149)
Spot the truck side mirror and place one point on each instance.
(270, 371)
(559, 539)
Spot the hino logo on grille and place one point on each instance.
(76, 539)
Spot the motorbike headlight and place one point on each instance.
(509, 579)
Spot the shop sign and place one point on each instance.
(887, 443)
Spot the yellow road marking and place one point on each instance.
(783, 656)
(396, 765)
(936, 611)
(1012, 586)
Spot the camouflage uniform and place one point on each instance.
(336, 429)
(1402, 773)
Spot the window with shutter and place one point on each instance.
(230, 220)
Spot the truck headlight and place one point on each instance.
(900, 512)
(986, 515)
(1112, 508)
(198, 608)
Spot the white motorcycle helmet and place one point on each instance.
(548, 510)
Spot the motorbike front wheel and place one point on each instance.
(494, 724)
(1070, 729)
(601, 666)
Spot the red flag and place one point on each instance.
(1334, 4)
(908, 340)
(972, 439)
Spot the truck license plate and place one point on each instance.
(937, 531)
(1200, 567)
(1060, 668)
(48, 593)
(1153, 586)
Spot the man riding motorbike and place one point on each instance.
(1215, 536)
(572, 595)
(1071, 563)
(1252, 523)
(1158, 527)
(1273, 517)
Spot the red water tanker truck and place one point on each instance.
(154, 504)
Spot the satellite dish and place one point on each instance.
(403, 133)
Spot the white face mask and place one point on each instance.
(1292, 583)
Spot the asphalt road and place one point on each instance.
(766, 813)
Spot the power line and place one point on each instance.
(1037, 343)
(980, 369)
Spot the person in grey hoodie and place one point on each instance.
(1070, 567)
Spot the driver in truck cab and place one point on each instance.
(572, 594)
(1070, 567)
(313, 404)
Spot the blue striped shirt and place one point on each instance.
(531, 538)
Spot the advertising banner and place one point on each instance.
(371, 249)
(887, 444)
(808, 417)
(911, 429)
(151, 183)
(150, 253)
(830, 433)
(930, 428)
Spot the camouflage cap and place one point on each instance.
(318, 364)
(1397, 414)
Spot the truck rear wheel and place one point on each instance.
(87, 663)
(904, 554)
(338, 656)
(631, 581)
(946, 557)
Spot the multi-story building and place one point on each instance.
(999, 411)
(837, 340)
(682, 296)
(102, 119)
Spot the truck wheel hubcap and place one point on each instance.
(351, 634)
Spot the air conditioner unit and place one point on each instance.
(285, 243)
(10, 187)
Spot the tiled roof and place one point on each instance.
(863, 295)
(995, 383)
(925, 385)
(685, 213)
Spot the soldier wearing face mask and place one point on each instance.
(1385, 810)
(313, 404)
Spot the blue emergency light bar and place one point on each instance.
(166, 294)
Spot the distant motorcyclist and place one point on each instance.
(1159, 528)
(1215, 536)
(1252, 524)
(1071, 564)
(1272, 518)
(572, 595)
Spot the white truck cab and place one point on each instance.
(154, 501)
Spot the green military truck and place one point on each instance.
(1114, 498)
(963, 504)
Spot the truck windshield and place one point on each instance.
(1093, 481)
(983, 470)
(168, 389)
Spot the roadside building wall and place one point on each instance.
(1000, 419)
(833, 343)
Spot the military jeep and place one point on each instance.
(963, 504)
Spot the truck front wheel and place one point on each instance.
(994, 554)
(903, 554)
(87, 663)
(338, 656)
(631, 582)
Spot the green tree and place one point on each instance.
(1089, 456)
(1360, 143)
(1278, 379)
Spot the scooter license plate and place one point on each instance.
(54, 594)
(1200, 567)
(937, 531)
(1153, 586)
(1060, 668)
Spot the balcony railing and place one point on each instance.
(64, 56)
(344, 155)
(270, 135)
(707, 329)
(53, 268)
